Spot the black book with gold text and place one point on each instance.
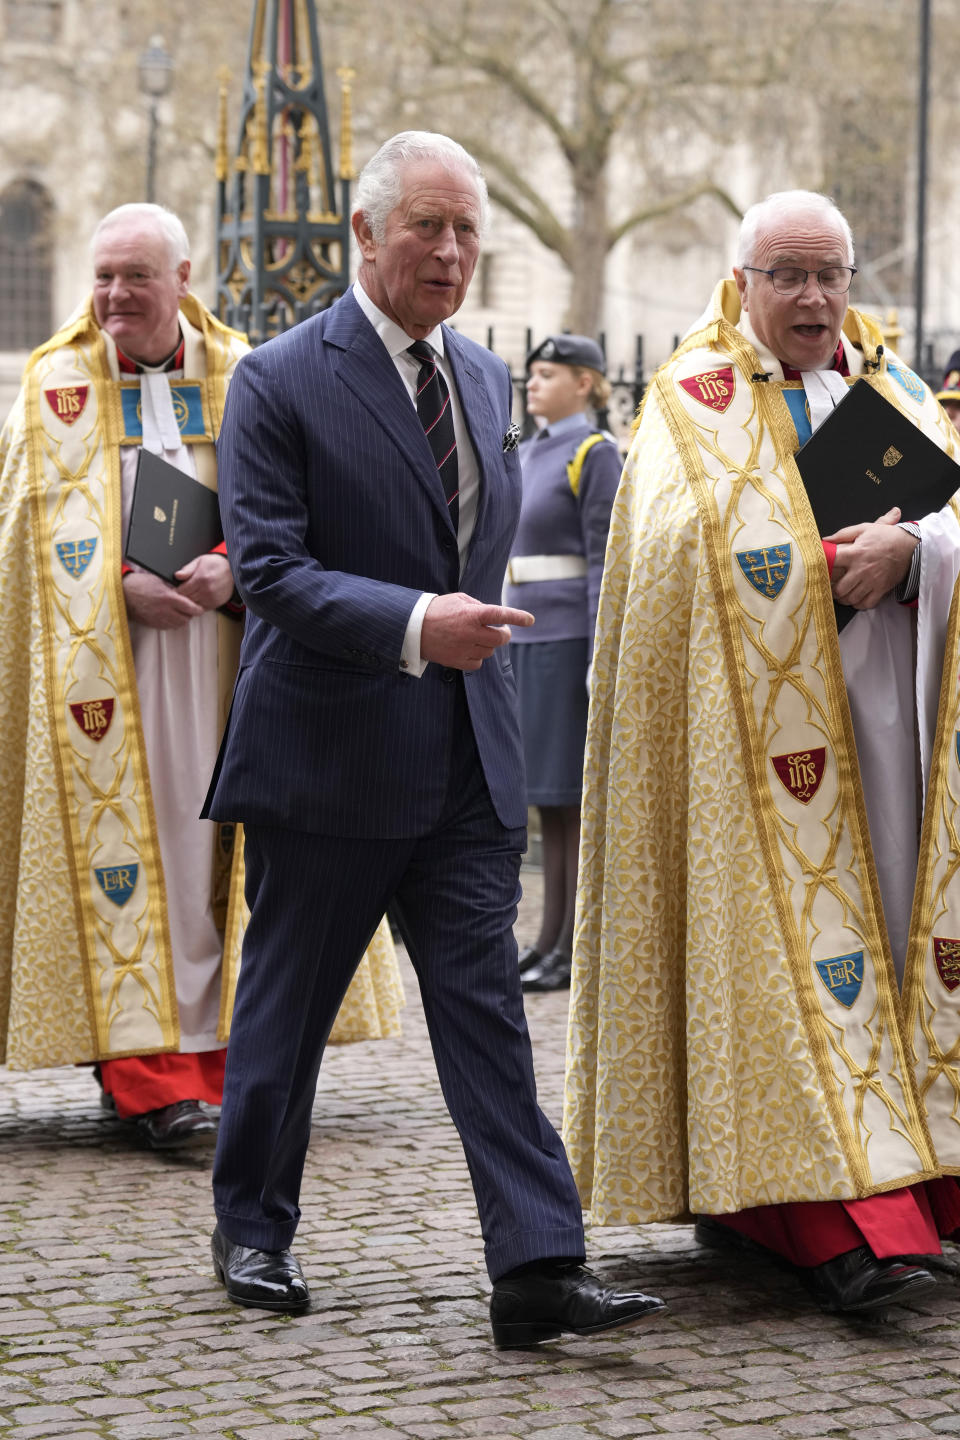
(867, 457)
(173, 519)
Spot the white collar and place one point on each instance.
(394, 338)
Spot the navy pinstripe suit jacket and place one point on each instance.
(335, 522)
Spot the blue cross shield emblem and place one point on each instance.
(767, 568)
(75, 555)
(117, 881)
(908, 381)
(842, 976)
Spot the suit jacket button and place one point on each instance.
(449, 676)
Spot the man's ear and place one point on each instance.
(741, 279)
(365, 240)
(183, 276)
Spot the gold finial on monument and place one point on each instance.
(345, 74)
(283, 243)
(304, 160)
(223, 155)
(892, 329)
(261, 141)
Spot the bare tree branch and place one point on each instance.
(669, 206)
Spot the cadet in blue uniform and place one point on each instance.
(570, 475)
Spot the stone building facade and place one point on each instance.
(74, 130)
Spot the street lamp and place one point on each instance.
(155, 70)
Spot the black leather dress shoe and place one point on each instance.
(857, 1282)
(545, 1302)
(172, 1126)
(528, 957)
(262, 1279)
(852, 1284)
(552, 973)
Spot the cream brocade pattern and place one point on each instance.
(710, 1066)
(932, 979)
(82, 977)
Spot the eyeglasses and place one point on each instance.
(790, 280)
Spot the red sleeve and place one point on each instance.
(234, 606)
(830, 551)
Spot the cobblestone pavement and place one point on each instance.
(113, 1328)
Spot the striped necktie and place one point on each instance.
(436, 417)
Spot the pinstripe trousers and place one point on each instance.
(315, 901)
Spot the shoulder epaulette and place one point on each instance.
(575, 465)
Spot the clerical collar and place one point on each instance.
(839, 362)
(174, 361)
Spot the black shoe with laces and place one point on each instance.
(179, 1124)
(543, 1301)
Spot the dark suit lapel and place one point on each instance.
(479, 417)
(367, 370)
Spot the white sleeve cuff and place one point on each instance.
(410, 659)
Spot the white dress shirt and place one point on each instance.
(397, 342)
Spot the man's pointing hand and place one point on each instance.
(461, 632)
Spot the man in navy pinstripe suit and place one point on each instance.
(373, 752)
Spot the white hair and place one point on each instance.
(380, 186)
(783, 204)
(158, 217)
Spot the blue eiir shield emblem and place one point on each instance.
(187, 401)
(908, 381)
(117, 881)
(767, 568)
(75, 555)
(843, 976)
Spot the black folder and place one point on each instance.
(867, 457)
(173, 518)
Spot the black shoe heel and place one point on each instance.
(521, 1337)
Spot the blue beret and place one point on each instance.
(569, 350)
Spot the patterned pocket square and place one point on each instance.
(511, 438)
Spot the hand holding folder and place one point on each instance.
(173, 518)
(866, 458)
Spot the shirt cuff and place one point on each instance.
(411, 662)
(909, 587)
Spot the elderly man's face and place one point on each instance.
(418, 274)
(802, 330)
(137, 291)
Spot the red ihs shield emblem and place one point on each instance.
(67, 402)
(946, 955)
(93, 716)
(713, 388)
(801, 771)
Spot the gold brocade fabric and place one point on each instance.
(85, 965)
(371, 1007)
(736, 1034)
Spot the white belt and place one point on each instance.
(524, 568)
